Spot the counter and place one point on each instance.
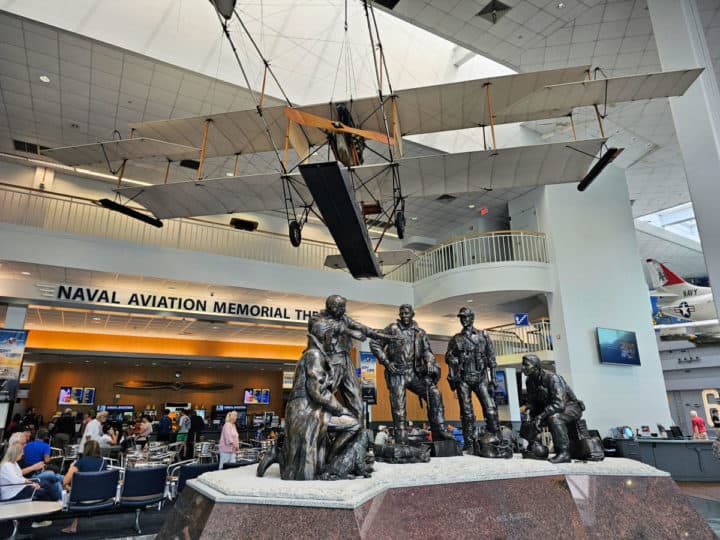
(685, 460)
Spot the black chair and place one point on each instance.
(143, 487)
(188, 472)
(93, 490)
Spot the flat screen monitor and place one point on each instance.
(501, 393)
(617, 347)
(265, 396)
(249, 396)
(258, 420)
(76, 395)
(65, 397)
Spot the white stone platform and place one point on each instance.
(240, 485)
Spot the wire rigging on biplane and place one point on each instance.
(363, 137)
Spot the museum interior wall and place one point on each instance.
(599, 282)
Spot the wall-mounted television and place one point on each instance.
(257, 396)
(76, 395)
(618, 347)
(249, 396)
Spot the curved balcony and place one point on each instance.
(490, 247)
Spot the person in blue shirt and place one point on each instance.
(164, 426)
(91, 461)
(457, 434)
(37, 449)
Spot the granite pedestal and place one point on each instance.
(457, 497)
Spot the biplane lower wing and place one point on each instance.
(505, 168)
(426, 176)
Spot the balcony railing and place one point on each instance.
(57, 212)
(491, 247)
(511, 339)
(79, 215)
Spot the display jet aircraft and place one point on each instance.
(343, 192)
(682, 300)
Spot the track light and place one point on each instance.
(603, 162)
(112, 205)
(224, 7)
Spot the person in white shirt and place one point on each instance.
(93, 431)
(381, 439)
(109, 439)
(13, 485)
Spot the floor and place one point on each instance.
(705, 499)
(114, 525)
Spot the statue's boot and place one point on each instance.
(492, 423)
(270, 456)
(561, 441)
(469, 434)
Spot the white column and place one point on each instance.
(599, 281)
(681, 44)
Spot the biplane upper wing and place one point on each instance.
(142, 147)
(420, 110)
(558, 100)
(426, 176)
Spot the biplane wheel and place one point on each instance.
(295, 233)
(400, 224)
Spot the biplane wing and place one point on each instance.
(426, 176)
(118, 150)
(558, 100)
(427, 109)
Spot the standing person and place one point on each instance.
(197, 426)
(93, 429)
(229, 443)
(410, 365)
(164, 426)
(183, 430)
(698, 426)
(471, 361)
(64, 430)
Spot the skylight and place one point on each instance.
(679, 220)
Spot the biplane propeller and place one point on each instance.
(345, 191)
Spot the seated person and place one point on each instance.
(14, 486)
(457, 434)
(143, 431)
(91, 461)
(37, 449)
(109, 438)
(49, 480)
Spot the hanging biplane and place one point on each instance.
(334, 190)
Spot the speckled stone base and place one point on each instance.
(619, 499)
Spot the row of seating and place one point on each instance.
(119, 487)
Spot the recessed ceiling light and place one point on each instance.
(560, 5)
(25, 273)
(96, 318)
(469, 300)
(154, 363)
(44, 78)
(216, 328)
(229, 174)
(471, 206)
(413, 218)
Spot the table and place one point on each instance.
(26, 509)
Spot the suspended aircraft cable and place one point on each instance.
(398, 199)
(226, 31)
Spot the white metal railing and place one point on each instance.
(492, 247)
(511, 339)
(57, 212)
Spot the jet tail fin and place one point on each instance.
(667, 281)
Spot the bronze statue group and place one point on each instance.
(324, 437)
